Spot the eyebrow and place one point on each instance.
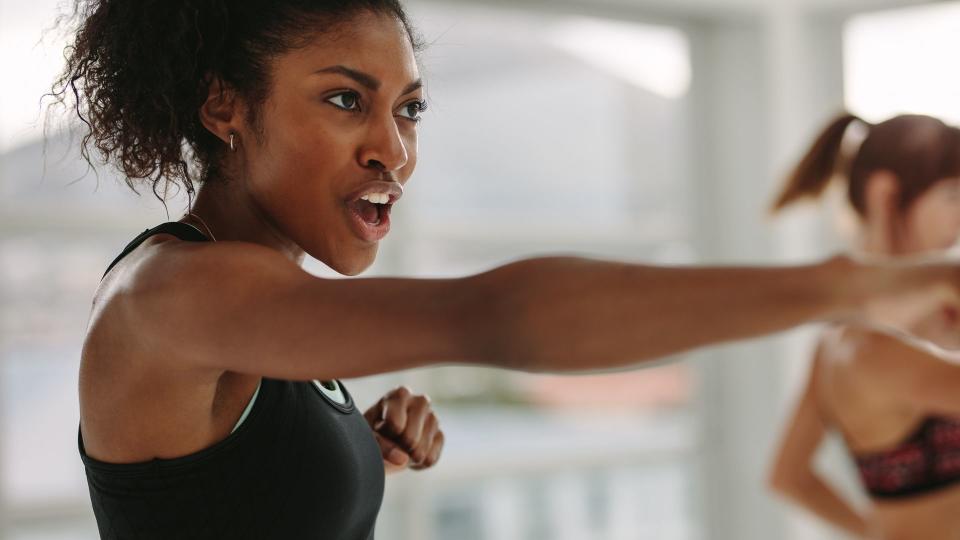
(366, 80)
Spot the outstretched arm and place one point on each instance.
(578, 314)
(245, 308)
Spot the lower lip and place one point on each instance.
(367, 231)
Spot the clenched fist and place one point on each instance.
(407, 430)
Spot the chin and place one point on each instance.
(355, 266)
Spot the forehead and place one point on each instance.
(376, 44)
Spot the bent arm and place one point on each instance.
(245, 308)
(793, 474)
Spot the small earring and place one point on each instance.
(233, 146)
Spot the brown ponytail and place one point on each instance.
(816, 169)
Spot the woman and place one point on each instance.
(897, 406)
(299, 121)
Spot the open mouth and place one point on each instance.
(369, 209)
(372, 213)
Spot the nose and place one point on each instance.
(384, 149)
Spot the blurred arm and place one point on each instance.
(793, 474)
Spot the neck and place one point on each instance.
(232, 215)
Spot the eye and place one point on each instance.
(348, 101)
(413, 110)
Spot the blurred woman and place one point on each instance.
(896, 406)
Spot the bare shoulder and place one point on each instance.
(169, 278)
(836, 346)
(167, 266)
(127, 382)
(851, 358)
(862, 347)
(830, 358)
(872, 360)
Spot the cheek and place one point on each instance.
(304, 138)
(948, 216)
(951, 227)
(938, 225)
(297, 184)
(302, 159)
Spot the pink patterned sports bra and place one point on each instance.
(926, 461)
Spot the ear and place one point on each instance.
(882, 212)
(221, 113)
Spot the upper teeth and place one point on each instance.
(376, 198)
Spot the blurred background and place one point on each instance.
(641, 130)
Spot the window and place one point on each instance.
(902, 61)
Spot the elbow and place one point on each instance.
(790, 482)
(779, 483)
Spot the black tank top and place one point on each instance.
(301, 466)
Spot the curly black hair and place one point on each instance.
(138, 72)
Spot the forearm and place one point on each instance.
(818, 498)
(577, 314)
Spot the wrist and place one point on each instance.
(890, 293)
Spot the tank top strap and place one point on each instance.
(183, 231)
